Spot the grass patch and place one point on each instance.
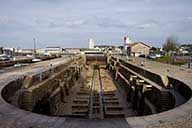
(180, 63)
(167, 59)
(163, 59)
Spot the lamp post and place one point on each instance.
(34, 45)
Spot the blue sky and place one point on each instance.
(70, 23)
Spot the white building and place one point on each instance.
(127, 41)
(53, 50)
(91, 43)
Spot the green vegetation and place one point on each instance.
(171, 48)
(168, 59)
(171, 45)
(180, 63)
(163, 59)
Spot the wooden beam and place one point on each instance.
(145, 79)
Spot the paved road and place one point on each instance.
(187, 66)
(181, 73)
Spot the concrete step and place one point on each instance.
(112, 114)
(80, 101)
(84, 89)
(113, 108)
(84, 86)
(116, 102)
(110, 98)
(83, 93)
(79, 110)
(82, 97)
(79, 114)
(109, 94)
(79, 106)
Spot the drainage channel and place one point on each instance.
(97, 97)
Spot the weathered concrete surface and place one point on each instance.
(178, 117)
(12, 117)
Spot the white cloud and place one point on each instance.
(58, 19)
(147, 26)
(189, 18)
(4, 19)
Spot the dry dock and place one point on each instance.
(75, 93)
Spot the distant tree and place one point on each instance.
(171, 44)
(155, 49)
(170, 47)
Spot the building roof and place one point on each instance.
(135, 43)
(104, 46)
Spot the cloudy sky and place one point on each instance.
(69, 23)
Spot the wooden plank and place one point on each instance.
(140, 76)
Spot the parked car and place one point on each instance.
(4, 58)
(151, 56)
(158, 55)
(18, 65)
(36, 60)
(142, 55)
